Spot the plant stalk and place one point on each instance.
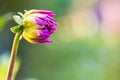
(13, 55)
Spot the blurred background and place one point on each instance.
(85, 45)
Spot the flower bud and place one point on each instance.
(38, 26)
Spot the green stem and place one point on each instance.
(13, 55)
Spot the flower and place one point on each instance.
(38, 26)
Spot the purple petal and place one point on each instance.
(49, 17)
(50, 13)
(52, 30)
(46, 35)
(52, 23)
(44, 41)
(45, 30)
(40, 22)
(46, 21)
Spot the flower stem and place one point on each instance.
(13, 55)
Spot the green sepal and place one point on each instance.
(25, 10)
(18, 19)
(21, 14)
(16, 29)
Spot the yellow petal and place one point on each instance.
(28, 38)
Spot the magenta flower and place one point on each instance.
(38, 25)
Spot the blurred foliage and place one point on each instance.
(83, 59)
(4, 58)
(60, 7)
(4, 19)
